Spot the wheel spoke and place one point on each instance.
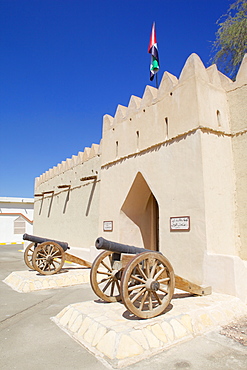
(118, 286)
(159, 273)
(45, 251)
(141, 272)
(153, 269)
(164, 280)
(56, 261)
(143, 300)
(41, 260)
(135, 277)
(131, 288)
(44, 266)
(147, 267)
(105, 265)
(42, 254)
(137, 295)
(104, 273)
(112, 287)
(104, 280)
(163, 290)
(150, 305)
(106, 286)
(158, 298)
(55, 253)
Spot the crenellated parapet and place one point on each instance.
(198, 98)
(69, 164)
(201, 98)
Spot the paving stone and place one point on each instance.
(179, 330)
(128, 347)
(98, 335)
(206, 320)
(91, 332)
(72, 319)
(186, 322)
(66, 317)
(76, 324)
(168, 330)
(107, 344)
(159, 333)
(84, 326)
(152, 340)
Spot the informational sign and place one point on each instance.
(107, 225)
(180, 223)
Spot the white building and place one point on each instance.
(16, 218)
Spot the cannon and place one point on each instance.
(47, 256)
(143, 279)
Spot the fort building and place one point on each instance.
(169, 174)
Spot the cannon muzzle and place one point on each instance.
(108, 245)
(39, 240)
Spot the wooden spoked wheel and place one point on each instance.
(28, 255)
(105, 281)
(48, 258)
(147, 284)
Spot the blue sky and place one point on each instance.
(66, 63)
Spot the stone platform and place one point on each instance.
(30, 280)
(119, 339)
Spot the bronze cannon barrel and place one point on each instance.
(39, 240)
(108, 245)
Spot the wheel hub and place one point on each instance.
(152, 285)
(49, 258)
(116, 274)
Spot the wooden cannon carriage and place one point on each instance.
(143, 279)
(48, 256)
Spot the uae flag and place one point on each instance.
(153, 50)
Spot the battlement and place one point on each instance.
(69, 164)
(198, 98)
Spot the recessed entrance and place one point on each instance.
(141, 207)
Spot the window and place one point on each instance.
(137, 139)
(219, 118)
(166, 127)
(19, 226)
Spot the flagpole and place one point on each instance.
(156, 74)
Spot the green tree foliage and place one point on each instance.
(231, 39)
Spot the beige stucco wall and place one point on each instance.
(178, 190)
(70, 214)
(237, 98)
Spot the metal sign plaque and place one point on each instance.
(107, 225)
(180, 223)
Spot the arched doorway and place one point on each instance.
(141, 207)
